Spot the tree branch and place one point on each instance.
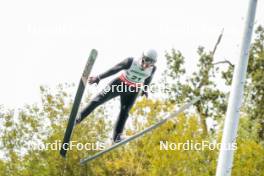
(217, 42)
(224, 62)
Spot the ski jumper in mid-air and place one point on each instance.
(136, 76)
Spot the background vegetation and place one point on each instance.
(45, 123)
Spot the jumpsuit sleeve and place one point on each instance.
(125, 64)
(148, 80)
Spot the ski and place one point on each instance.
(172, 115)
(77, 101)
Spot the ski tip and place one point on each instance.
(94, 52)
(93, 55)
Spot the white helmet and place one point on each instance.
(150, 55)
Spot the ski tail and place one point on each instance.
(77, 101)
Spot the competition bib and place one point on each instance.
(136, 75)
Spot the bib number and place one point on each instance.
(135, 78)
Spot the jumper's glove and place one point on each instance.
(94, 79)
(144, 93)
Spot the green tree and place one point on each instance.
(200, 83)
(254, 87)
(255, 84)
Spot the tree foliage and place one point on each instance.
(254, 88)
(46, 124)
(40, 124)
(200, 83)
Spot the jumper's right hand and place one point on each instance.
(93, 79)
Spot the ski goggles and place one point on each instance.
(147, 60)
